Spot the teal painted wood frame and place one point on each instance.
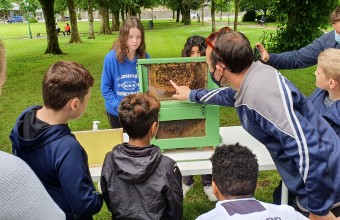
(181, 110)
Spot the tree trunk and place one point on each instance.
(213, 23)
(90, 15)
(202, 15)
(122, 14)
(52, 37)
(116, 23)
(237, 8)
(186, 15)
(73, 20)
(173, 14)
(105, 28)
(178, 13)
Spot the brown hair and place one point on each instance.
(137, 112)
(120, 44)
(64, 81)
(329, 60)
(335, 15)
(234, 50)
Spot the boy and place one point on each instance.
(137, 181)
(326, 97)
(235, 170)
(42, 138)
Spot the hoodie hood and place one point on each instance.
(135, 164)
(30, 133)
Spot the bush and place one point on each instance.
(249, 16)
(33, 20)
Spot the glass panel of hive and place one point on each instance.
(181, 129)
(191, 74)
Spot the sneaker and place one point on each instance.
(209, 192)
(186, 189)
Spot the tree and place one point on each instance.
(5, 6)
(300, 22)
(104, 6)
(73, 20)
(52, 38)
(255, 5)
(88, 5)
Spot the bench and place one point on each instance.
(190, 161)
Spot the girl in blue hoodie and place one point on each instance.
(119, 76)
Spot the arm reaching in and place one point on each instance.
(182, 92)
(263, 51)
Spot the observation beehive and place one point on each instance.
(182, 124)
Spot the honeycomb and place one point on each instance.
(193, 75)
(181, 129)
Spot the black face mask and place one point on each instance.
(218, 83)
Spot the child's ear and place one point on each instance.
(74, 104)
(215, 189)
(333, 83)
(154, 129)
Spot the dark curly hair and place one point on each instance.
(137, 112)
(192, 42)
(234, 170)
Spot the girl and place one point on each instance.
(119, 76)
(195, 47)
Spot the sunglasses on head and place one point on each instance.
(213, 36)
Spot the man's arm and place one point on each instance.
(221, 96)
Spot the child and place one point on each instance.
(57, 28)
(235, 170)
(42, 138)
(67, 29)
(119, 77)
(137, 181)
(326, 97)
(195, 47)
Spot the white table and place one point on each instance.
(197, 161)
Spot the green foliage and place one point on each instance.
(33, 20)
(249, 16)
(300, 22)
(5, 5)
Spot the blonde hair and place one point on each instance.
(335, 15)
(329, 60)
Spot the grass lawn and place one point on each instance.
(27, 65)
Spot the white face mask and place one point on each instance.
(337, 37)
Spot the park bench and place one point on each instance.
(194, 161)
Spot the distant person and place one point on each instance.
(22, 196)
(235, 170)
(57, 28)
(308, 55)
(304, 147)
(119, 76)
(42, 138)
(137, 181)
(195, 46)
(67, 29)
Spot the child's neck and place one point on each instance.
(51, 116)
(131, 55)
(143, 142)
(334, 95)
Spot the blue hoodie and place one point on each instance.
(304, 57)
(118, 80)
(59, 161)
(331, 114)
